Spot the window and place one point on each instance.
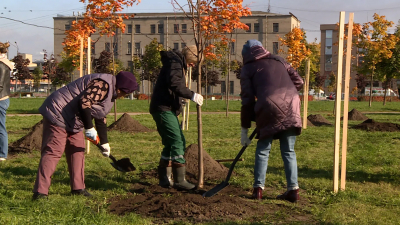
(67, 27)
(176, 28)
(232, 48)
(129, 28)
(275, 48)
(160, 28)
(257, 27)
(209, 87)
(129, 48)
(115, 48)
(276, 27)
(231, 87)
(107, 47)
(328, 33)
(176, 46)
(328, 62)
(93, 49)
(249, 25)
(184, 28)
(137, 48)
(153, 28)
(223, 87)
(137, 28)
(328, 50)
(183, 45)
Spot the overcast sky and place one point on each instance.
(32, 39)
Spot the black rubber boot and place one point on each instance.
(179, 172)
(165, 174)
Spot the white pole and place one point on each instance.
(188, 101)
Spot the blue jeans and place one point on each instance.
(4, 104)
(287, 140)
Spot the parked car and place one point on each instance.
(332, 96)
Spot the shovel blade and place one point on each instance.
(123, 165)
(216, 189)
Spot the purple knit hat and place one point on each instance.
(126, 82)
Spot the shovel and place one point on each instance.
(123, 165)
(225, 183)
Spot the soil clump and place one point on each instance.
(318, 120)
(213, 170)
(372, 125)
(127, 124)
(29, 142)
(356, 115)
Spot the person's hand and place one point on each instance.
(106, 149)
(198, 98)
(244, 140)
(91, 134)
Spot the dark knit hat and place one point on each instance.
(249, 44)
(126, 82)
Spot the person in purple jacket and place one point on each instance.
(269, 92)
(69, 110)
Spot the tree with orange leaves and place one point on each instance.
(211, 20)
(296, 47)
(100, 16)
(376, 45)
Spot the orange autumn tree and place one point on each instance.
(296, 47)
(100, 16)
(375, 44)
(211, 20)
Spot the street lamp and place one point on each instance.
(17, 47)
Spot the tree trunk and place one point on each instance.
(200, 135)
(370, 89)
(206, 85)
(384, 97)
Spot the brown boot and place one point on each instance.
(165, 174)
(179, 173)
(257, 193)
(291, 196)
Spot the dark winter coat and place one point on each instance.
(4, 80)
(269, 93)
(62, 106)
(170, 86)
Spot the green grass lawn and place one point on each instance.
(372, 194)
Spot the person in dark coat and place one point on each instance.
(69, 110)
(5, 71)
(269, 92)
(165, 106)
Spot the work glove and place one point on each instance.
(91, 134)
(106, 149)
(244, 140)
(198, 98)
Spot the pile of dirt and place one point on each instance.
(31, 141)
(318, 120)
(180, 207)
(127, 124)
(372, 125)
(356, 115)
(213, 170)
(309, 124)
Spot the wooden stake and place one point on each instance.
(305, 95)
(338, 104)
(188, 101)
(184, 107)
(346, 101)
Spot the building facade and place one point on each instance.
(174, 31)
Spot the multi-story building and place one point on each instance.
(173, 31)
(329, 60)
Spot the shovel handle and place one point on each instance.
(238, 156)
(103, 150)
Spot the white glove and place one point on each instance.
(106, 147)
(91, 134)
(197, 98)
(244, 140)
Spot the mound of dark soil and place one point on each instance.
(230, 204)
(318, 120)
(309, 124)
(213, 170)
(31, 141)
(372, 125)
(127, 124)
(356, 115)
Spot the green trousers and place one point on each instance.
(172, 137)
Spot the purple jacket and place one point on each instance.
(61, 107)
(269, 93)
